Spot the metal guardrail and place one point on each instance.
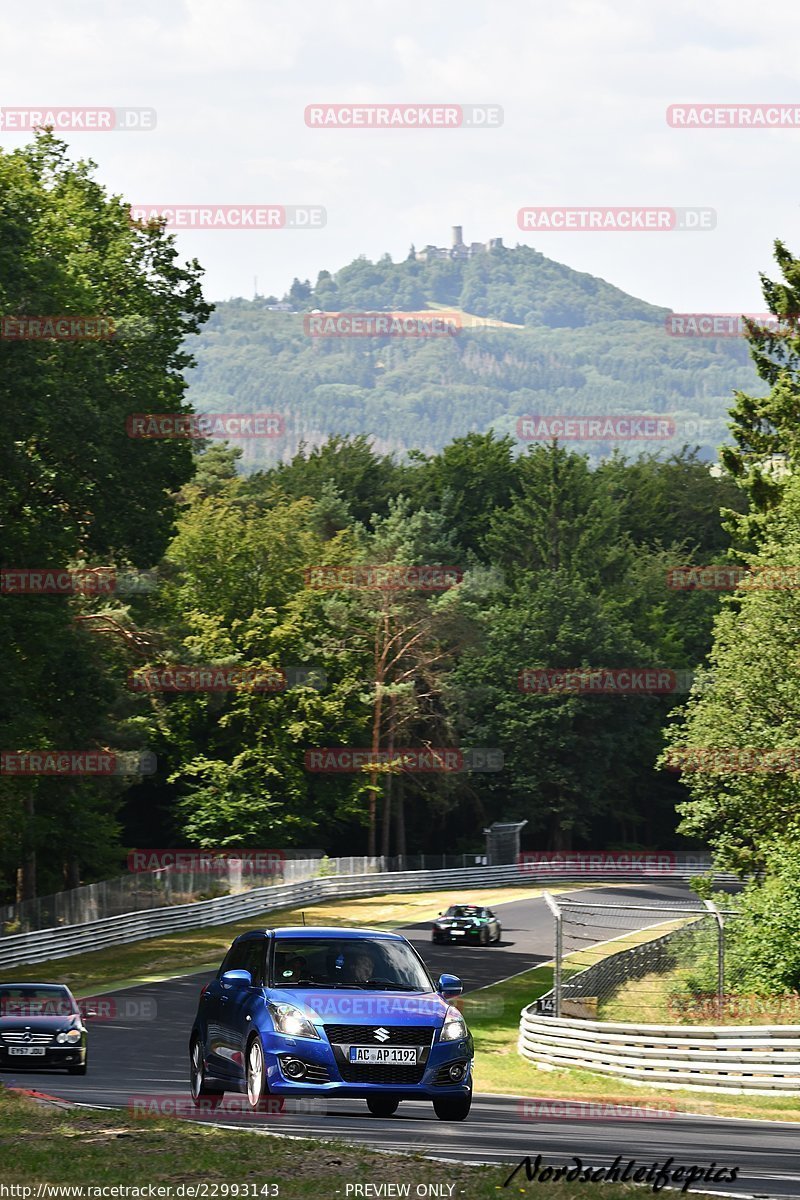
(45, 944)
(757, 1059)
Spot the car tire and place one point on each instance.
(81, 1070)
(202, 1094)
(255, 1073)
(382, 1106)
(484, 936)
(499, 935)
(453, 1108)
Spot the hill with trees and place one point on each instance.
(581, 347)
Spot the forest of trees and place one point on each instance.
(583, 347)
(561, 562)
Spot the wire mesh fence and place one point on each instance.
(654, 964)
(140, 890)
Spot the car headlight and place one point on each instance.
(71, 1036)
(454, 1028)
(290, 1020)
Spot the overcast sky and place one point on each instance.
(584, 85)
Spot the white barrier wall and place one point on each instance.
(755, 1059)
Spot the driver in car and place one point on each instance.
(361, 968)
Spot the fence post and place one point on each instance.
(712, 908)
(556, 911)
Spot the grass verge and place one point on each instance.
(44, 1144)
(667, 999)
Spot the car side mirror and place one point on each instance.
(91, 1012)
(449, 985)
(242, 978)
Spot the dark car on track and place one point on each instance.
(349, 1013)
(470, 923)
(41, 1026)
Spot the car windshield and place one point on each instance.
(348, 963)
(35, 1001)
(463, 910)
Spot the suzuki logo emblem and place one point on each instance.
(381, 1035)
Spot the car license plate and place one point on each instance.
(402, 1055)
(26, 1050)
(458, 932)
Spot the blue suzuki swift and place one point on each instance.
(331, 1012)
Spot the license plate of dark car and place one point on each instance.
(384, 1054)
(26, 1050)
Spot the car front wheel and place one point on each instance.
(81, 1070)
(382, 1106)
(201, 1093)
(453, 1108)
(257, 1091)
(484, 936)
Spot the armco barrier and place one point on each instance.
(44, 944)
(758, 1059)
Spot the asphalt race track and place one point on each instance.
(144, 1058)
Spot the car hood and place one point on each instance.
(361, 1007)
(39, 1024)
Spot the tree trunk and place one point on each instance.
(26, 872)
(400, 818)
(387, 792)
(373, 775)
(72, 872)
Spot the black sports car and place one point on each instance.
(467, 923)
(41, 1026)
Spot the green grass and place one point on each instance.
(44, 1144)
(666, 999)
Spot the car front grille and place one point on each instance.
(363, 1035)
(373, 1073)
(18, 1038)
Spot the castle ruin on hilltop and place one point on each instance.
(459, 248)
